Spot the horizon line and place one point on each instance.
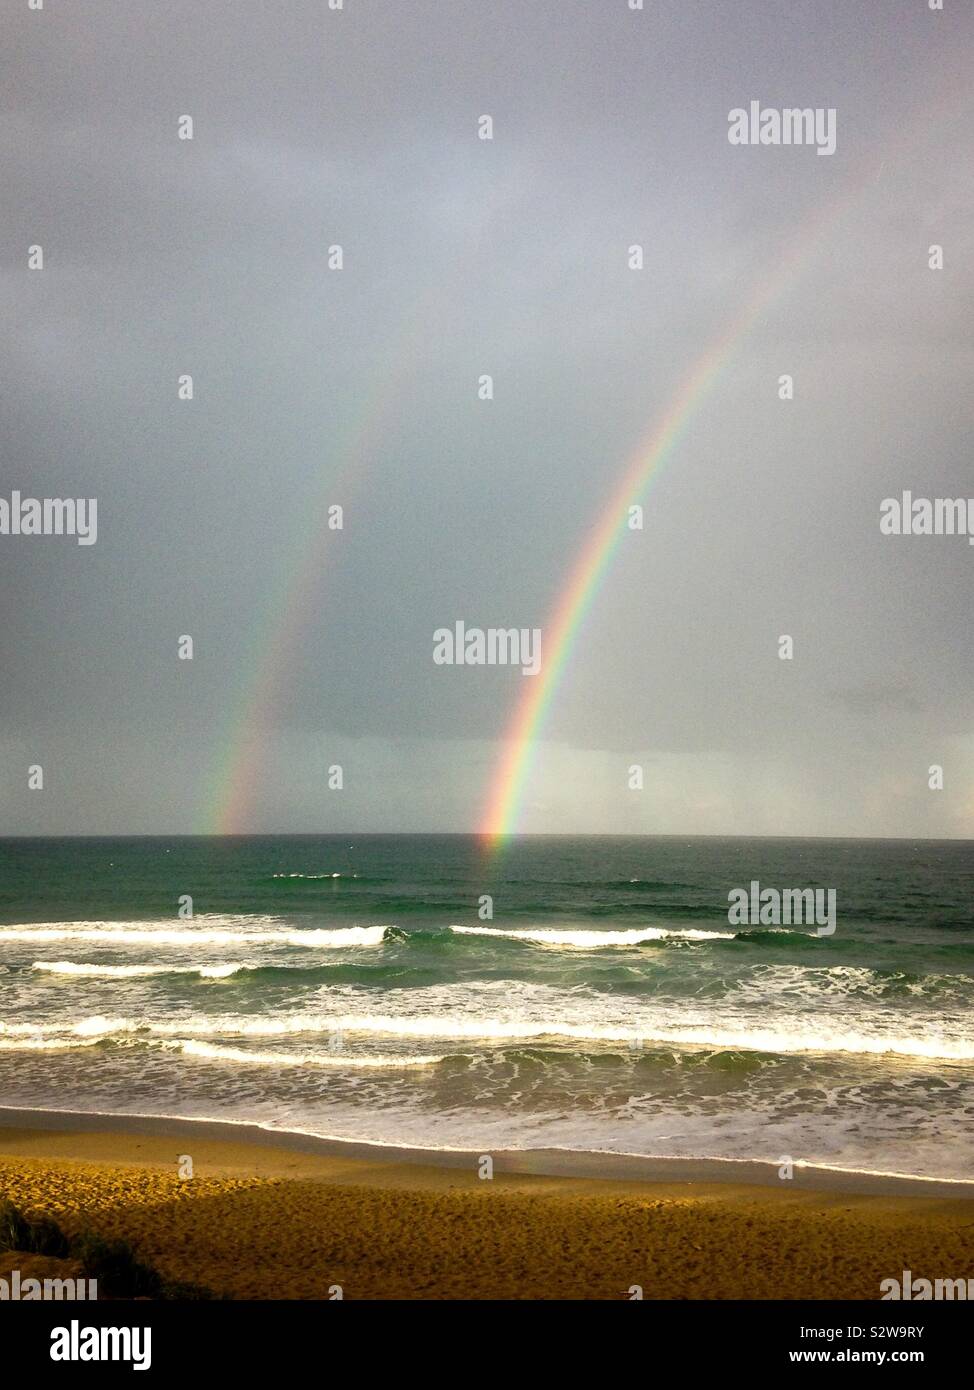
(477, 835)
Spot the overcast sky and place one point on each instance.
(359, 387)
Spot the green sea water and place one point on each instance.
(356, 987)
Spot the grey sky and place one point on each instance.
(359, 387)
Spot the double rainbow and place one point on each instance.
(277, 641)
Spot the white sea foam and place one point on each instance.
(193, 1047)
(208, 934)
(126, 972)
(315, 875)
(196, 1047)
(844, 984)
(792, 1035)
(588, 940)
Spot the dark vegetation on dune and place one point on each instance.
(115, 1264)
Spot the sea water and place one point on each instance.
(356, 987)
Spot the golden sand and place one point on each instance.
(261, 1222)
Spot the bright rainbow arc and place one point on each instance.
(560, 634)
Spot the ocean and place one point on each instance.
(349, 987)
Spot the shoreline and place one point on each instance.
(543, 1162)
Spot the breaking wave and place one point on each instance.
(591, 940)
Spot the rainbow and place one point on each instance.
(581, 588)
(276, 640)
(502, 812)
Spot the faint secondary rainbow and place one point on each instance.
(560, 633)
(275, 644)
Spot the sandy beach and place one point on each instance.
(281, 1216)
